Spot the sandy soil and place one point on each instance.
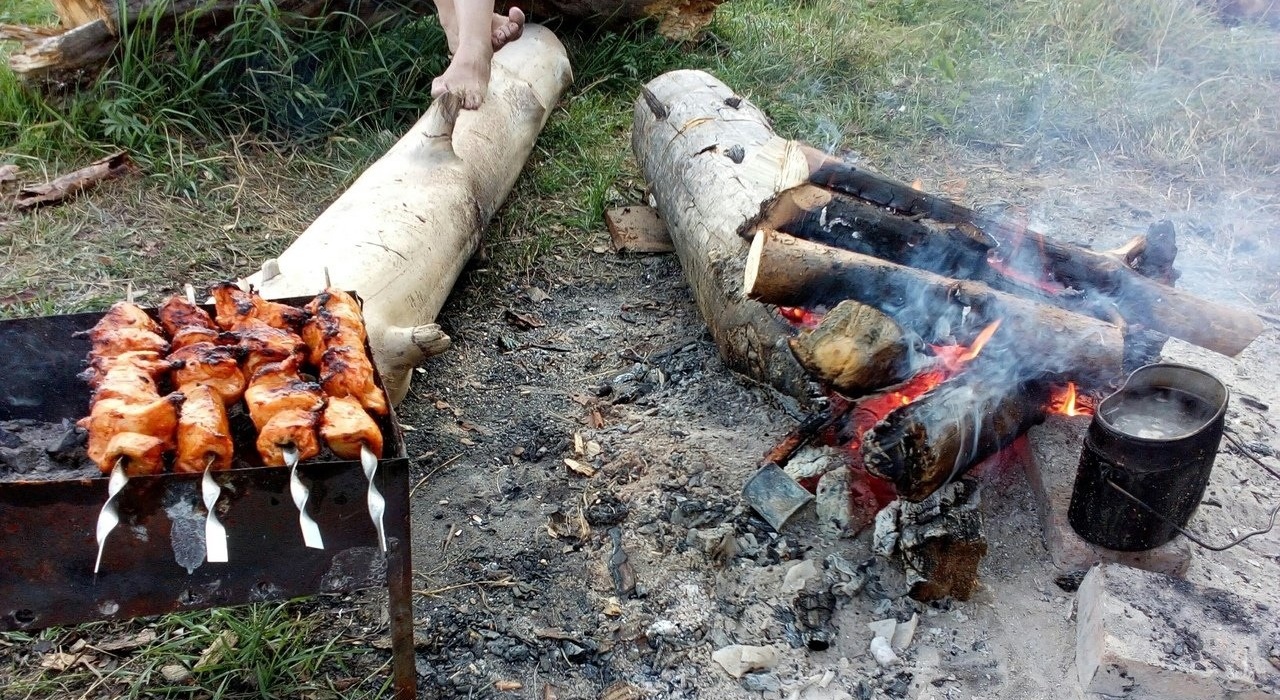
(518, 544)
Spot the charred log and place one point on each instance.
(1141, 301)
(939, 436)
(939, 541)
(787, 271)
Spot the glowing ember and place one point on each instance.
(1065, 401)
(800, 317)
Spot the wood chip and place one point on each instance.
(59, 661)
(140, 639)
(638, 229)
(580, 467)
(175, 673)
(612, 608)
(215, 652)
(508, 686)
(579, 445)
(71, 184)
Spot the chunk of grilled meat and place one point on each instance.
(176, 313)
(217, 366)
(336, 335)
(143, 454)
(110, 342)
(277, 387)
(155, 417)
(346, 427)
(234, 306)
(196, 334)
(124, 314)
(289, 428)
(203, 431)
(127, 374)
(264, 344)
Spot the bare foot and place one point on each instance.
(507, 29)
(467, 76)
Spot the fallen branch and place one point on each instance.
(71, 184)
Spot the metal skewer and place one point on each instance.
(109, 517)
(300, 492)
(377, 504)
(215, 535)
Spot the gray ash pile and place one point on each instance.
(33, 450)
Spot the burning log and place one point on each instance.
(787, 271)
(401, 234)
(937, 437)
(1141, 301)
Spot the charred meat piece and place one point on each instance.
(234, 306)
(346, 427)
(264, 344)
(216, 366)
(124, 314)
(110, 342)
(277, 387)
(197, 334)
(133, 373)
(156, 417)
(176, 313)
(336, 335)
(289, 428)
(204, 435)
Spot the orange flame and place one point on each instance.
(955, 357)
(1066, 401)
(1002, 267)
(803, 318)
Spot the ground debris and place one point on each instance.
(115, 165)
(738, 659)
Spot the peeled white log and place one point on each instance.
(402, 233)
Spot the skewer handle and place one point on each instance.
(215, 534)
(301, 492)
(377, 504)
(109, 517)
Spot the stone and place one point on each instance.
(883, 628)
(739, 659)
(798, 576)
(883, 653)
(1146, 636)
(903, 633)
(1050, 465)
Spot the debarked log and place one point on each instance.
(855, 349)
(1039, 339)
(939, 436)
(1141, 301)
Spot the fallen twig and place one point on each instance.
(71, 184)
(507, 582)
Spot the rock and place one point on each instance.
(175, 673)
(798, 577)
(904, 633)
(762, 683)
(883, 653)
(1146, 636)
(883, 628)
(739, 659)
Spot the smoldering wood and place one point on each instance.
(820, 215)
(854, 349)
(1139, 300)
(939, 436)
(787, 271)
(685, 125)
(939, 541)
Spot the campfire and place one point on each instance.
(925, 336)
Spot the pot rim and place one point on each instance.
(1209, 424)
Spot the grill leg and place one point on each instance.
(400, 602)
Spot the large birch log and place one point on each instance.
(788, 271)
(401, 234)
(711, 159)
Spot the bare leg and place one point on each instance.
(449, 21)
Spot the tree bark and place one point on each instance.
(1141, 301)
(401, 234)
(1036, 339)
(711, 159)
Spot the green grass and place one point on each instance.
(268, 651)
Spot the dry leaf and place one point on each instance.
(59, 660)
(580, 467)
(215, 652)
(507, 686)
(522, 322)
(597, 420)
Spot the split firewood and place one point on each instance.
(786, 271)
(855, 349)
(1139, 300)
(71, 184)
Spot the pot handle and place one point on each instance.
(1188, 534)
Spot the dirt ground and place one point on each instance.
(606, 362)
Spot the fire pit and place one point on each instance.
(155, 559)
